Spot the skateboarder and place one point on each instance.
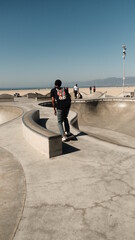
(61, 102)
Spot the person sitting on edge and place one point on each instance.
(76, 90)
(61, 102)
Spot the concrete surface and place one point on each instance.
(112, 121)
(93, 95)
(12, 194)
(45, 141)
(6, 98)
(88, 193)
(8, 113)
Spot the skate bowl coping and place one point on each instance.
(43, 140)
(9, 113)
(111, 120)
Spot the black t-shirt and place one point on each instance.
(62, 97)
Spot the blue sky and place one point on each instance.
(74, 40)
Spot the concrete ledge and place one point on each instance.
(6, 98)
(43, 97)
(38, 96)
(45, 141)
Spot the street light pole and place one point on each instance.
(124, 55)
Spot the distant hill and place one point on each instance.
(107, 82)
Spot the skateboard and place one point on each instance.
(71, 137)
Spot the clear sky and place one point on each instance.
(74, 40)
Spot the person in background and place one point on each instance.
(61, 101)
(90, 89)
(76, 90)
(94, 89)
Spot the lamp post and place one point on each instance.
(124, 55)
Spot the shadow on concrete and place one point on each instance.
(66, 148)
(42, 122)
(81, 134)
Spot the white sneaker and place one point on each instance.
(64, 138)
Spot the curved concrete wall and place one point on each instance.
(6, 98)
(116, 115)
(43, 140)
(8, 113)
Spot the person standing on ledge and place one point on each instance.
(61, 102)
(76, 90)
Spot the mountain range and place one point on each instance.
(107, 82)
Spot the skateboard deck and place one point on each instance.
(71, 137)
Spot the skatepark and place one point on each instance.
(82, 189)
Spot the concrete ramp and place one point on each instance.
(105, 119)
(6, 98)
(8, 113)
(94, 95)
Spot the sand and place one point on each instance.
(113, 91)
(22, 92)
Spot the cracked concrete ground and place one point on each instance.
(88, 193)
